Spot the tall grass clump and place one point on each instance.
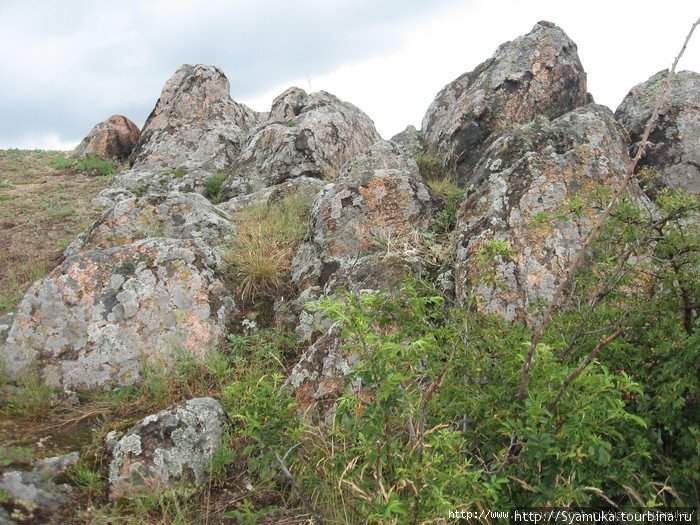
(264, 245)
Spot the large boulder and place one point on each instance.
(99, 317)
(195, 123)
(672, 157)
(177, 216)
(536, 74)
(310, 135)
(379, 198)
(116, 138)
(537, 192)
(167, 449)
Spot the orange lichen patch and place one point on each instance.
(331, 388)
(384, 202)
(84, 276)
(336, 250)
(304, 394)
(199, 334)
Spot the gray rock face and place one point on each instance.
(536, 74)
(35, 492)
(310, 135)
(360, 234)
(379, 197)
(116, 138)
(411, 140)
(99, 316)
(5, 324)
(673, 153)
(175, 445)
(318, 379)
(139, 182)
(533, 204)
(301, 186)
(195, 123)
(177, 216)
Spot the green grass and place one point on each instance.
(212, 187)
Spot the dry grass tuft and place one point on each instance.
(264, 244)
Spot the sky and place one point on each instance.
(67, 65)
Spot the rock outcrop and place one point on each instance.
(379, 198)
(536, 193)
(176, 216)
(536, 74)
(363, 233)
(672, 157)
(309, 135)
(101, 315)
(115, 138)
(174, 446)
(195, 123)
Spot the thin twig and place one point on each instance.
(595, 230)
(307, 504)
(589, 359)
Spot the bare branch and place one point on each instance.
(589, 359)
(595, 230)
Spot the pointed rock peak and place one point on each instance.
(306, 135)
(536, 74)
(195, 123)
(289, 104)
(672, 157)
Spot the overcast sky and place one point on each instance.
(67, 65)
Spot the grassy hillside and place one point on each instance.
(45, 201)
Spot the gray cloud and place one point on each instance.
(68, 65)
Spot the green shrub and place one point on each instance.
(212, 187)
(62, 162)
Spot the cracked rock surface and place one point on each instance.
(536, 74)
(176, 445)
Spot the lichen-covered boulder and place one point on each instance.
(139, 182)
(310, 135)
(172, 447)
(116, 138)
(101, 315)
(536, 194)
(195, 123)
(379, 198)
(36, 494)
(673, 153)
(536, 74)
(176, 216)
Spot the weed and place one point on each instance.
(86, 478)
(29, 396)
(13, 456)
(179, 173)
(62, 163)
(212, 187)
